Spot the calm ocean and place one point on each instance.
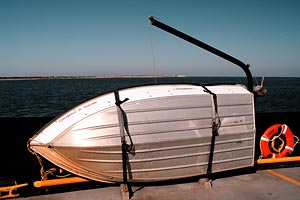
(49, 98)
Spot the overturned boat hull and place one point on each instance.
(168, 130)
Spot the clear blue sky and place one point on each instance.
(97, 37)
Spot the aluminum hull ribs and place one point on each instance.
(169, 128)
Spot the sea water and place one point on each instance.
(52, 97)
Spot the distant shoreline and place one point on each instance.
(87, 77)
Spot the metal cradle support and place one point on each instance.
(126, 190)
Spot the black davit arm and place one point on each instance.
(211, 49)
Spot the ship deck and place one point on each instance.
(261, 182)
(277, 183)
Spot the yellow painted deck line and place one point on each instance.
(284, 177)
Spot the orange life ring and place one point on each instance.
(267, 141)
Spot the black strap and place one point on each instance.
(129, 148)
(216, 123)
(125, 147)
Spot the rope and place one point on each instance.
(153, 56)
(44, 174)
(297, 141)
(280, 146)
(273, 143)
